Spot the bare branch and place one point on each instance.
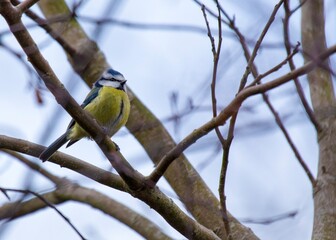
(225, 160)
(64, 160)
(144, 26)
(212, 40)
(35, 167)
(25, 5)
(250, 64)
(299, 90)
(276, 67)
(125, 170)
(258, 77)
(171, 213)
(91, 197)
(322, 93)
(270, 220)
(231, 108)
(151, 196)
(46, 202)
(291, 64)
(290, 142)
(146, 128)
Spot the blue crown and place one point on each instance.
(114, 72)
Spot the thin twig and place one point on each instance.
(46, 25)
(212, 40)
(250, 67)
(289, 140)
(47, 203)
(25, 5)
(36, 167)
(67, 190)
(75, 193)
(250, 64)
(143, 26)
(135, 180)
(291, 64)
(21, 59)
(259, 77)
(299, 90)
(276, 67)
(230, 109)
(302, 2)
(153, 197)
(216, 54)
(269, 220)
(209, 11)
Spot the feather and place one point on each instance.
(49, 151)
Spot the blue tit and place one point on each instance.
(107, 102)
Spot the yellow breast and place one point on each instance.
(110, 108)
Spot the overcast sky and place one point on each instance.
(264, 178)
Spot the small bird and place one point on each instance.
(107, 102)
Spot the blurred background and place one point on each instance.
(163, 50)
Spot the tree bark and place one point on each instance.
(323, 101)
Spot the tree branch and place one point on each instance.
(152, 135)
(125, 170)
(250, 61)
(216, 54)
(230, 109)
(322, 94)
(25, 5)
(259, 77)
(91, 197)
(289, 58)
(64, 160)
(151, 196)
(291, 64)
(57, 180)
(45, 202)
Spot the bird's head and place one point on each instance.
(111, 78)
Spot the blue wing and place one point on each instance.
(91, 95)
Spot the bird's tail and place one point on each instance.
(49, 151)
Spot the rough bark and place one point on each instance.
(324, 105)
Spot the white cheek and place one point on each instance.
(109, 83)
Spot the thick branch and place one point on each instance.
(125, 170)
(324, 105)
(170, 211)
(95, 199)
(64, 160)
(152, 135)
(153, 197)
